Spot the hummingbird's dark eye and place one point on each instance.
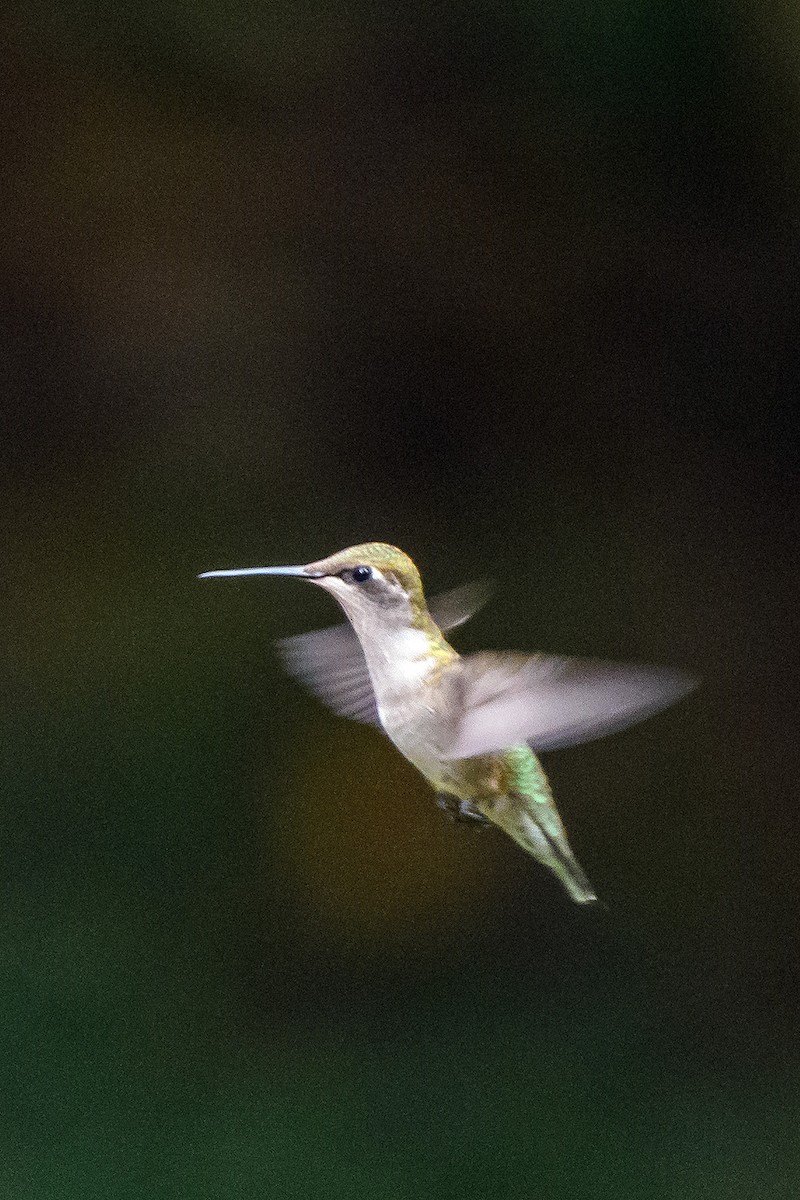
(361, 574)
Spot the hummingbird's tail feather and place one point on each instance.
(570, 872)
(549, 846)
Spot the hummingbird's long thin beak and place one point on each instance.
(302, 572)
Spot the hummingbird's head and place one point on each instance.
(374, 583)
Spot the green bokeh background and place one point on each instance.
(517, 289)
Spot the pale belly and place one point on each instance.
(421, 739)
(418, 719)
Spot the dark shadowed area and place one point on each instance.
(515, 288)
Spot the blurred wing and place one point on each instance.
(451, 609)
(550, 702)
(331, 663)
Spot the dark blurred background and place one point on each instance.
(515, 288)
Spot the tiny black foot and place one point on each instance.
(448, 804)
(462, 811)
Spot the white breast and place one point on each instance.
(397, 665)
(406, 708)
(411, 655)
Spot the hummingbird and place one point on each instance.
(473, 725)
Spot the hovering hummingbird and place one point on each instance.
(470, 724)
